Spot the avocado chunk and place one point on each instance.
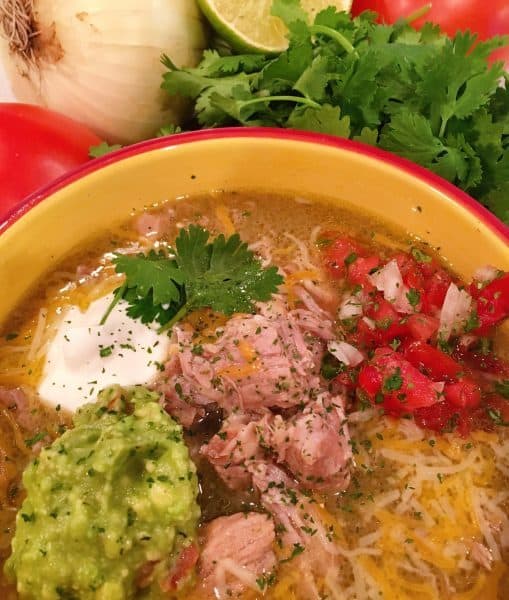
(112, 499)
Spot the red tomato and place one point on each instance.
(451, 15)
(498, 24)
(340, 252)
(443, 417)
(435, 289)
(182, 569)
(484, 18)
(477, 360)
(391, 380)
(422, 327)
(463, 394)
(360, 268)
(435, 363)
(481, 419)
(387, 323)
(493, 304)
(37, 146)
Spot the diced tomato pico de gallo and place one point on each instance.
(426, 337)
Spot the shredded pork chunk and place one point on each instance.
(236, 551)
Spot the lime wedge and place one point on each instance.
(248, 26)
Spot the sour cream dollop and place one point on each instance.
(84, 357)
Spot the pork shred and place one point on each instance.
(236, 551)
(301, 533)
(263, 372)
(16, 401)
(154, 224)
(267, 360)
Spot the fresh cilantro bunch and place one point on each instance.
(222, 274)
(419, 94)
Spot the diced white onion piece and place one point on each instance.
(486, 274)
(468, 340)
(439, 386)
(388, 280)
(350, 307)
(369, 322)
(455, 311)
(346, 353)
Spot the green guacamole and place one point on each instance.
(112, 494)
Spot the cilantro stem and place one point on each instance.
(182, 312)
(118, 294)
(335, 35)
(417, 14)
(442, 127)
(297, 99)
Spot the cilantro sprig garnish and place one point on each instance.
(222, 274)
(419, 94)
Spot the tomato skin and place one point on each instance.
(37, 146)
(487, 363)
(463, 394)
(182, 569)
(337, 252)
(498, 24)
(493, 304)
(359, 270)
(387, 323)
(435, 289)
(442, 417)
(422, 327)
(438, 365)
(410, 390)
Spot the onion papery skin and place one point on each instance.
(98, 62)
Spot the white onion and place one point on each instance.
(346, 353)
(351, 306)
(455, 311)
(439, 386)
(467, 340)
(98, 61)
(369, 322)
(486, 274)
(388, 280)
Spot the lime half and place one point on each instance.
(248, 26)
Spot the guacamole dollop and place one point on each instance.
(109, 497)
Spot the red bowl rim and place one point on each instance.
(420, 173)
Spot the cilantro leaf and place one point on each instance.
(497, 417)
(222, 274)
(214, 65)
(393, 382)
(153, 272)
(498, 202)
(502, 388)
(414, 297)
(326, 119)
(410, 135)
(419, 94)
(288, 11)
(102, 149)
(170, 129)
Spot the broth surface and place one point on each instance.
(418, 502)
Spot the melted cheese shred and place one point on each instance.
(422, 504)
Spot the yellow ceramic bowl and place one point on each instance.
(92, 199)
